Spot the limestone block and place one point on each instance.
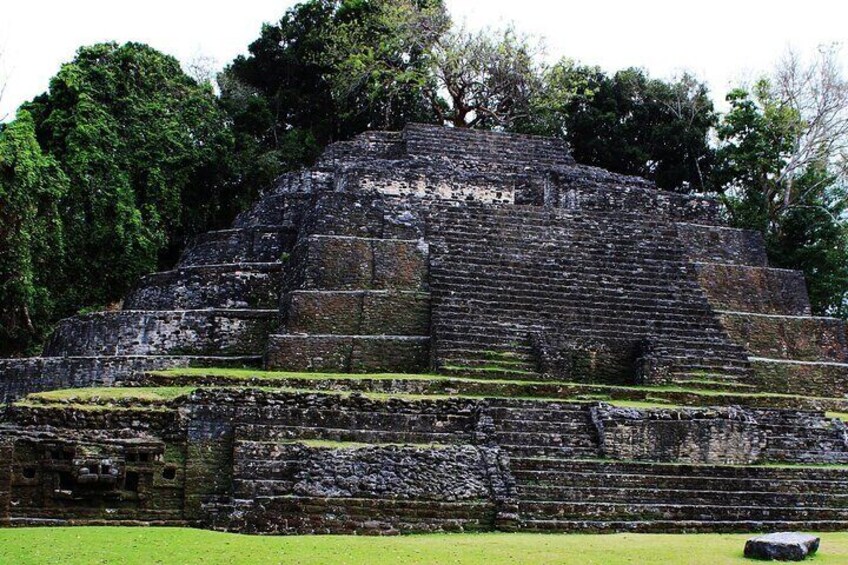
(784, 546)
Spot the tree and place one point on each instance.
(143, 146)
(31, 238)
(484, 79)
(3, 83)
(380, 64)
(813, 238)
(629, 123)
(782, 170)
(328, 70)
(780, 128)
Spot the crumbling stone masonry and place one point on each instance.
(474, 254)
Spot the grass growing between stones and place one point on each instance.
(106, 545)
(141, 398)
(247, 374)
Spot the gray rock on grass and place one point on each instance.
(783, 546)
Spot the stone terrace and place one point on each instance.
(569, 349)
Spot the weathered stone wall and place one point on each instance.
(800, 338)
(352, 263)
(67, 479)
(366, 215)
(754, 289)
(358, 312)
(6, 453)
(720, 435)
(596, 190)
(724, 436)
(19, 377)
(815, 378)
(245, 245)
(235, 286)
(230, 459)
(186, 332)
(403, 488)
(719, 244)
(347, 353)
(281, 209)
(402, 181)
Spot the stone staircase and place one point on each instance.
(767, 311)
(557, 495)
(501, 274)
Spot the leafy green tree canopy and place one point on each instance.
(31, 242)
(629, 122)
(329, 69)
(142, 145)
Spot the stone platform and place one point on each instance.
(470, 331)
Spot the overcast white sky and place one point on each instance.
(719, 40)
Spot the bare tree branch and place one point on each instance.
(817, 93)
(3, 82)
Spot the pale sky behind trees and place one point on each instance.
(720, 41)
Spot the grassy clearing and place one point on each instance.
(131, 546)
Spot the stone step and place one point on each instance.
(348, 353)
(670, 337)
(239, 286)
(547, 478)
(452, 305)
(575, 452)
(800, 338)
(678, 512)
(494, 216)
(609, 470)
(695, 496)
(259, 244)
(178, 332)
(665, 526)
(754, 289)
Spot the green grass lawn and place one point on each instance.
(106, 545)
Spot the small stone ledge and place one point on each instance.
(347, 353)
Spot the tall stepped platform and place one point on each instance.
(479, 334)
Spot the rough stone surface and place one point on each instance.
(790, 546)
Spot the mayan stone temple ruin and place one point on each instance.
(439, 329)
